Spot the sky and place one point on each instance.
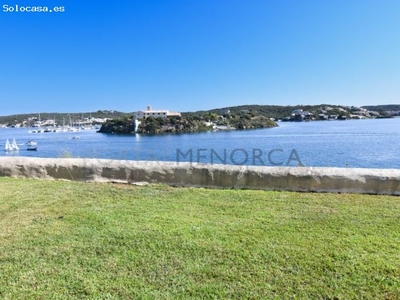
(189, 55)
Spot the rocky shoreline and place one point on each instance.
(178, 125)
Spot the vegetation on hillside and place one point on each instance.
(173, 124)
(121, 125)
(70, 240)
(383, 108)
(153, 125)
(282, 112)
(188, 123)
(267, 111)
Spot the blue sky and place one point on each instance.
(189, 55)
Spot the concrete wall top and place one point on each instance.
(316, 179)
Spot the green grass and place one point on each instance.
(159, 242)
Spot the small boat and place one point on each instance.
(32, 146)
(31, 143)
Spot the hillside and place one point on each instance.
(268, 111)
(383, 108)
(186, 123)
(284, 112)
(235, 117)
(239, 117)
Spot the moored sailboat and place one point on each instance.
(7, 146)
(10, 147)
(14, 145)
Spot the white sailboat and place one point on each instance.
(40, 129)
(8, 147)
(14, 145)
(64, 128)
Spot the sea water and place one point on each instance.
(353, 143)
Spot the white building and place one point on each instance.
(143, 114)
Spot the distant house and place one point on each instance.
(297, 112)
(143, 114)
(374, 113)
(323, 117)
(299, 115)
(225, 111)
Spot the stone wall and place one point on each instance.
(371, 181)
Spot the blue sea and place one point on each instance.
(353, 143)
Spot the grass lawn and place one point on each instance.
(69, 240)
